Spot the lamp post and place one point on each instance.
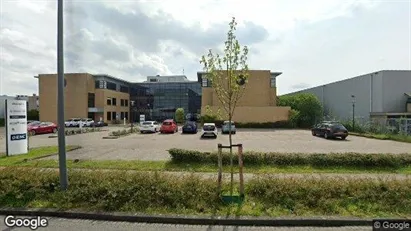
(353, 111)
(132, 114)
(60, 99)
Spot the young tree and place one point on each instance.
(179, 115)
(228, 75)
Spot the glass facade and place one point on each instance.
(159, 101)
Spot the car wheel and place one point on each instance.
(326, 135)
(313, 133)
(343, 137)
(33, 133)
(54, 130)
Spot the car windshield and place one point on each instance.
(209, 128)
(167, 123)
(147, 123)
(76, 120)
(189, 123)
(227, 123)
(34, 123)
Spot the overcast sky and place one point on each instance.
(312, 42)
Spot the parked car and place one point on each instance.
(86, 122)
(149, 126)
(99, 124)
(169, 126)
(209, 130)
(225, 129)
(73, 122)
(42, 128)
(190, 127)
(330, 129)
(32, 122)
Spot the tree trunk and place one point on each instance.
(231, 154)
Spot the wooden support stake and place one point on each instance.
(241, 164)
(220, 168)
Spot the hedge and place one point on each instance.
(383, 160)
(1, 122)
(333, 196)
(152, 192)
(278, 124)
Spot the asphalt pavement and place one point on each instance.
(90, 225)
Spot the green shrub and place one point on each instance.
(108, 191)
(382, 160)
(148, 192)
(1, 122)
(33, 115)
(332, 195)
(179, 115)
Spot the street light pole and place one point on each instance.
(353, 112)
(132, 114)
(60, 99)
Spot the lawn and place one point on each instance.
(33, 154)
(139, 165)
(399, 138)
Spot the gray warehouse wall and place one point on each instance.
(396, 83)
(381, 91)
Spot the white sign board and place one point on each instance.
(16, 127)
(142, 118)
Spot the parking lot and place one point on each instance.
(155, 146)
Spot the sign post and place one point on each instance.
(16, 127)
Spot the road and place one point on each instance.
(90, 225)
(155, 146)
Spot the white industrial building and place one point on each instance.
(378, 96)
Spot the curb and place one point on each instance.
(121, 217)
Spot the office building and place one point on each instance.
(258, 103)
(107, 98)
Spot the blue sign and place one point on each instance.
(18, 137)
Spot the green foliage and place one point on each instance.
(179, 115)
(307, 108)
(80, 131)
(382, 160)
(226, 71)
(1, 122)
(294, 118)
(332, 196)
(107, 191)
(148, 192)
(33, 115)
(123, 132)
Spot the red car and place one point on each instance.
(41, 128)
(169, 126)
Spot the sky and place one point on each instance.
(312, 42)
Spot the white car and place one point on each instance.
(73, 122)
(87, 122)
(209, 130)
(149, 126)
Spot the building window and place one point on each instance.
(114, 101)
(111, 86)
(108, 101)
(108, 116)
(91, 100)
(122, 102)
(100, 84)
(205, 82)
(126, 115)
(124, 89)
(114, 115)
(126, 103)
(122, 115)
(272, 82)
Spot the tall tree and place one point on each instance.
(228, 75)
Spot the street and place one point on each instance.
(90, 225)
